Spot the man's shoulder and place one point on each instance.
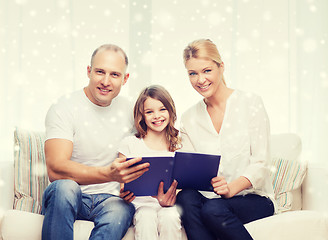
(131, 139)
(68, 100)
(121, 101)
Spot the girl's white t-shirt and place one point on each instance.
(132, 146)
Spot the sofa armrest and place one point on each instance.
(6, 186)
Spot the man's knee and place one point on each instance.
(62, 192)
(117, 208)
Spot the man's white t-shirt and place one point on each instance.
(94, 130)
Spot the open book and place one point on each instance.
(191, 170)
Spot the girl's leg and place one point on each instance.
(191, 202)
(169, 223)
(145, 222)
(226, 217)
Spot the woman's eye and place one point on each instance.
(192, 74)
(207, 70)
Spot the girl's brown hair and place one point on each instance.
(203, 48)
(161, 94)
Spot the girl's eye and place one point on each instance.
(148, 112)
(163, 109)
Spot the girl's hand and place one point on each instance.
(167, 199)
(220, 186)
(127, 195)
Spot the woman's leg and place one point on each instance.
(145, 222)
(169, 223)
(191, 202)
(226, 217)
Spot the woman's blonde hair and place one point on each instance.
(202, 48)
(161, 94)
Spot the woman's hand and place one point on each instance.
(127, 195)
(167, 199)
(220, 186)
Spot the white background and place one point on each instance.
(276, 49)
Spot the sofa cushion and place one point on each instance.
(300, 225)
(287, 169)
(30, 170)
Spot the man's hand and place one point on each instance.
(120, 170)
(167, 199)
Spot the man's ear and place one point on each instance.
(88, 71)
(126, 76)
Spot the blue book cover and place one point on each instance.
(191, 170)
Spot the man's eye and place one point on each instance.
(100, 72)
(115, 75)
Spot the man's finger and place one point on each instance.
(133, 176)
(130, 162)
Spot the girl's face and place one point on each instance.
(205, 75)
(156, 115)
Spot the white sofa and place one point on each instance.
(23, 181)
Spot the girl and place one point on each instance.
(154, 118)
(235, 125)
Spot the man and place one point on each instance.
(82, 132)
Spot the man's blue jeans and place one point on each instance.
(63, 203)
(219, 218)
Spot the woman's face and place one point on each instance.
(205, 75)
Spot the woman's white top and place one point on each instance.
(243, 140)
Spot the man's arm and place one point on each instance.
(60, 166)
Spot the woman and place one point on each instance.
(235, 125)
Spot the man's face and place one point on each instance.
(107, 76)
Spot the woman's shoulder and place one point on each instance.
(245, 97)
(195, 109)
